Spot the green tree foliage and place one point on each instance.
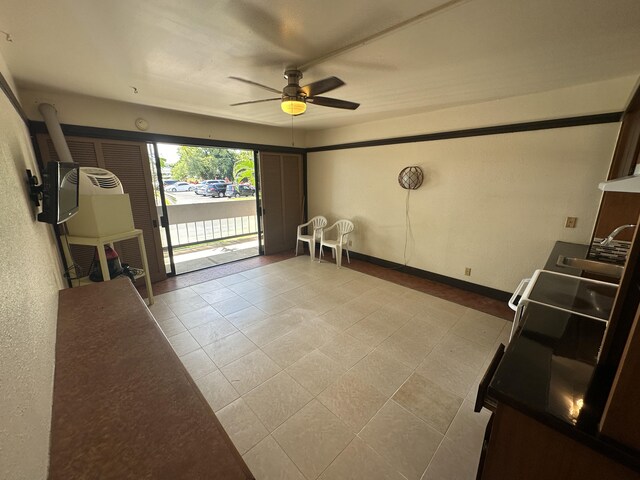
(244, 168)
(204, 163)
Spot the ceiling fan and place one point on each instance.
(294, 98)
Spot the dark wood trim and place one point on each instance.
(305, 191)
(634, 103)
(113, 134)
(436, 277)
(627, 148)
(6, 88)
(612, 117)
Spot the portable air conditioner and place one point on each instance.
(104, 207)
(98, 181)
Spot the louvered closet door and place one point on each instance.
(282, 200)
(130, 163)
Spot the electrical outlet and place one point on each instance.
(571, 222)
(467, 272)
(350, 243)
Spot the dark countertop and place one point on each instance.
(124, 406)
(547, 368)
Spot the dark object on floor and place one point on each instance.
(128, 272)
(113, 262)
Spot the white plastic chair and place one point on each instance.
(344, 228)
(318, 223)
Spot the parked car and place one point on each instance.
(239, 191)
(169, 182)
(216, 190)
(180, 187)
(201, 188)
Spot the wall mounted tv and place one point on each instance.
(58, 191)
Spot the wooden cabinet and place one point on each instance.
(621, 350)
(620, 208)
(522, 448)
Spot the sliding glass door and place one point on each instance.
(206, 197)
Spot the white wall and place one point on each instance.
(29, 282)
(95, 112)
(495, 203)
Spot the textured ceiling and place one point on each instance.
(179, 55)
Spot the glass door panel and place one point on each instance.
(209, 199)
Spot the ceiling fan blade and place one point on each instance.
(322, 86)
(255, 84)
(271, 27)
(333, 102)
(255, 101)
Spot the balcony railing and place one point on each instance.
(204, 222)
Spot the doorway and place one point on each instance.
(206, 197)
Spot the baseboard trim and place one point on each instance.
(436, 277)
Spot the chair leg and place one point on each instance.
(348, 260)
(297, 243)
(338, 256)
(320, 254)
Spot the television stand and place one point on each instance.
(99, 243)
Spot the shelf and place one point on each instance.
(104, 240)
(87, 281)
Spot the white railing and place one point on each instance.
(204, 222)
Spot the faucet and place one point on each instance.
(613, 234)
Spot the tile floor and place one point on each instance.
(323, 373)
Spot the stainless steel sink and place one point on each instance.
(591, 266)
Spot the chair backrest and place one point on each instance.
(344, 227)
(318, 222)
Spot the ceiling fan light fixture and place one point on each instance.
(293, 105)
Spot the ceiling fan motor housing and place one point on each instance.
(293, 87)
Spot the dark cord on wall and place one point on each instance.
(408, 232)
(76, 268)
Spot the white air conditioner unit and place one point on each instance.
(98, 181)
(104, 207)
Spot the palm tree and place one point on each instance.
(244, 170)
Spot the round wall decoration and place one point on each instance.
(142, 124)
(410, 178)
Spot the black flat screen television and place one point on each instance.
(59, 192)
